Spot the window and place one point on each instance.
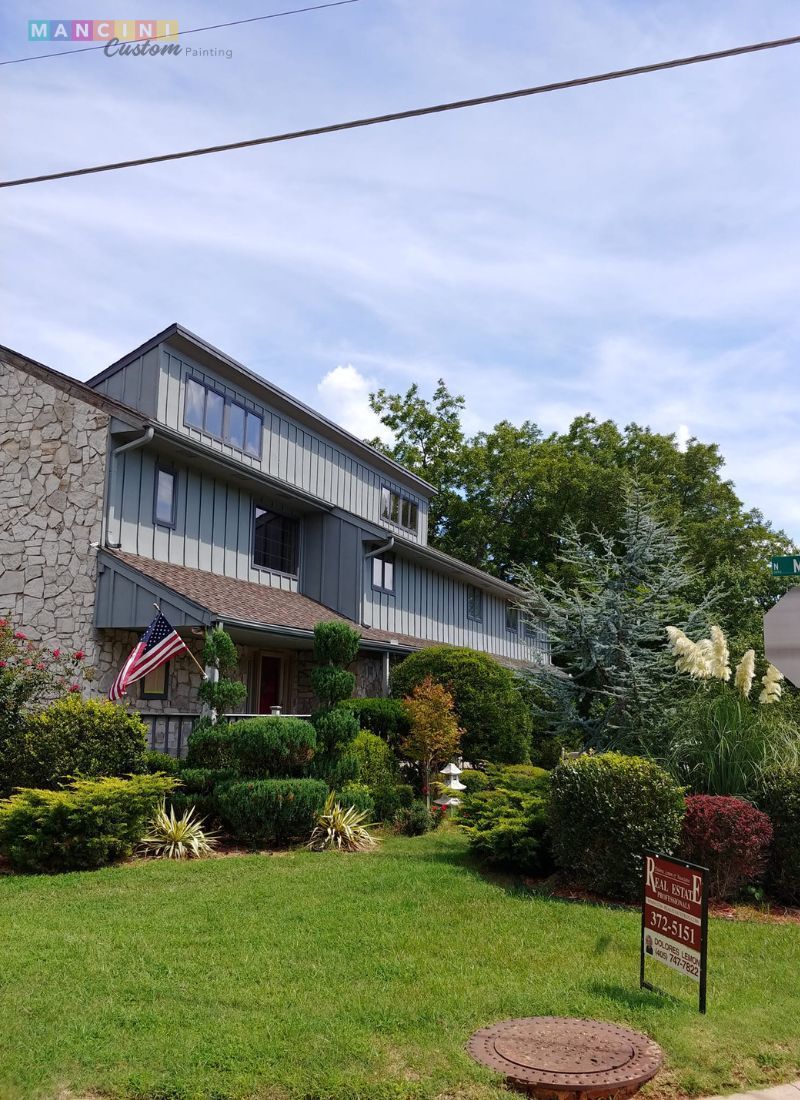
(275, 541)
(164, 499)
(512, 618)
(399, 509)
(156, 683)
(383, 573)
(210, 411)
(474, 604)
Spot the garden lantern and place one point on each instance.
(452, 784)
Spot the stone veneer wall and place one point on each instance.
(52, 474)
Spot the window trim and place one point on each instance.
(471, 589)
(383, 558)
(163, 695)
(227, 401)
(298, 543)
(166, 468)
(401, 497)
(512, 607)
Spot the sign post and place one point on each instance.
(675, 918)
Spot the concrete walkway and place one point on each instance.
(779, 1092)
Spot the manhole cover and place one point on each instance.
(552, 1055)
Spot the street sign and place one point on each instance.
(675, 918)
(786, 566)
(782, 635)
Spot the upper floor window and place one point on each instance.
(512, 618)
(399, 509)
(383, 573)
(209, 411)
(164, 498)
(275, 541)
(474, 604)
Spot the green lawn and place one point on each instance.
(325, 977)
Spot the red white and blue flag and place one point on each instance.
(158, 644)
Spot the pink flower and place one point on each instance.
(2, 664)
(79, 655)
(40, 667)
(3, 622)
(18, 634)
(74, 687)
(56, 653)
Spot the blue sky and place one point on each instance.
(631, 249)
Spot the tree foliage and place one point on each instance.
(435, 735)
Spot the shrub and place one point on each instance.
(387, 718)
(490, 707)
(475, 780)
(730, 837)
(780, 798)
(518, 777)
(332, 685)
(335, 730)
(76, 737)
(547, 749)
(261, 747)
(509, 829)
(208, 746)
(270, 811)
(159, 762)
(335, 644)
(416, 819)
(89, 824)
(389, 800)
(341, 828)
(198, 789)
(359, 796)
(604, 812)
(177, 837)
(224, 693)
(377, 764)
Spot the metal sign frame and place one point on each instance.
(703, 871)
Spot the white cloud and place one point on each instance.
(343, 395)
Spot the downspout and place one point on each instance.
(133, 445)
(385, 664)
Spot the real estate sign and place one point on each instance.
(675, 918)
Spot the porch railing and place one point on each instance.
(170, 732)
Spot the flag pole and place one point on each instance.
(205, 674)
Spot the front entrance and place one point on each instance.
(269, 693)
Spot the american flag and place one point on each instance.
(158, 643)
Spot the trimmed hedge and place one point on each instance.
(490, 707)
(781, 800)
(270, 811)
(270, 746)
(208, 746)
(730, 837)
(604, 812)
(155, 763)
(91, 823)
(357, 795)
(387, 718)
(74, 737)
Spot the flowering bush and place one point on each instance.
(730, 837)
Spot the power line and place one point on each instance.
(192, 30)
(415, 112)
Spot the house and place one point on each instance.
(178, 477)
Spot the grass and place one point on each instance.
(325, 976)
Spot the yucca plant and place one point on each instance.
(341, 829)
(172, 837)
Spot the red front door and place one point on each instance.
(270, 690)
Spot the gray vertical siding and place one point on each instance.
(290, 451)
(137, 383)
(212, 523)
(432, 605)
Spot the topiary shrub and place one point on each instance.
(387, 718)
(155, 763)
(604, 812)
(89, 824)
(335, 730)
(271, 746)
(225, 693)
(332, 685)
(390, 800)
(198, 788)
(359, 796)
(490, 707)
(270, 811)
(209, 746)
(781, 800)
(509, 829)
(335, 644)
(75, 737)
(728, 836)
(377, 764)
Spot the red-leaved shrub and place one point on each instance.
(730, 837)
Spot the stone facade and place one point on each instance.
(52, 477)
